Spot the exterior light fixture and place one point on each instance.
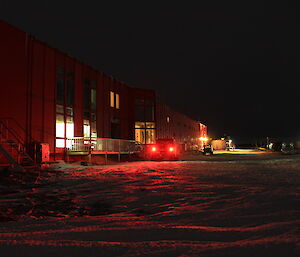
(203, 138)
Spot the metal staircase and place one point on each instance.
(12, 148)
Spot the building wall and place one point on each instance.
(142, 108)
(13, 74)
(28, 82)
(171, 124)
(30, 72)
(219, 144)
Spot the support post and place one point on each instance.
(119, 152)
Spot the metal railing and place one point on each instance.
(100, 145)
(10, 137)
(8, 132)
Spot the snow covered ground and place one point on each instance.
(229, 204)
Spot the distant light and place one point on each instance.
(203, 138)
(171, 149)
(153, 149)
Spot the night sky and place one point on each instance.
(231, 65)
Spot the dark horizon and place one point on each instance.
(233, 67)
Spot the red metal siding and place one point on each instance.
(171, 124)
(28, 82)
(13, 75)
(37, 94)
(78, 100)
(49, 98)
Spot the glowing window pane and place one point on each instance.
(60, 126)
(59, 108)
(69, 111)
(112, 99)
(86, 128)
(140, 136)
(150, 136)
(139, 124)
(93, 130)
(117, 101)
(60, 143)
(70, 127)
(69, 143)
(150, 124)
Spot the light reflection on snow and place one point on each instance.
(159, 208)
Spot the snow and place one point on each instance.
(229, 204)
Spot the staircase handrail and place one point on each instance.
(13, 133)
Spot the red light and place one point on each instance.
(153, 149)
(171, 149)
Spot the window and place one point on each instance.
(86, 97)
(69, 127)
(145, 132)
(117, 101)
(64, 107)
(139, 113)
(149, 113)
(115, 128)
(144, 121)
(70, 91)
(60, 125)
(112, 99)
(60, 90)
(93, 99)
(86, 128)
(90, 108)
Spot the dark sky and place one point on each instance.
(232, 65)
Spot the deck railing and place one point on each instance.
(100, 145)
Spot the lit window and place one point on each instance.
(70, 127)
(93, 129)
(60, 143)
(60, 126)
(117, 101)
(140, 136)
(139, 124)
(59, 108)
(168, 119)
(69, 111)
(112, 99)
(60, 131)
(86, 128)
(150, 136)
(145, 135)
(150, 124)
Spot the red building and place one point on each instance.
(50, 97)
(178, 126)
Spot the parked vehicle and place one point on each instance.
(207, 149)
(163, 149)
(284, 147)
(287, 148)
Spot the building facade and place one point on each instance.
(50, 97)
